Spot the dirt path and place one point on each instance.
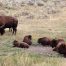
(33, 49)
(46, 51)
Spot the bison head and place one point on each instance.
(30, 37)
(15, 43)
(54, 43)
(2, 30)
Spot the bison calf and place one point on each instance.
(44, 41)
(20, 44)
(27, 39)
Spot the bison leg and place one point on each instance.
(14, 31)
(10, 29)
(2, 32)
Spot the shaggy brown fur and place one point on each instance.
(20, 44)
(54, 42)
(27, 39)
(44, 41)
(60, 47)
(8, 22)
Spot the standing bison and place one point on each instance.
(44, 41)
(8, 22)
(27, 39)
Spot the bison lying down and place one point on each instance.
(8, 22)
(20, 44)
(27, 39)
(44, 41)
(59, 46)
(54, 42)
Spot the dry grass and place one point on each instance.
(38, 26)
(21, 59)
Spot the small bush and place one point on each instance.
(40, 4)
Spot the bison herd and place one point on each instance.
(58, 45)
(25, 43)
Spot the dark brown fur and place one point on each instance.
(8, 22)
(27, 39)
(20, 44)
(54, 42)
(60, 47)
(44, 41)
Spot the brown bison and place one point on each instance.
(20, 44)
(27, 39)
(8, 22)
(54, 42)
(61, 48)
(59, 45)
(44, 41)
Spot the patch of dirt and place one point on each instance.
(42, 50)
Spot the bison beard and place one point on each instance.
(8, 22)
(54, 43)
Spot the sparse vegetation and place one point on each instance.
(36, 21)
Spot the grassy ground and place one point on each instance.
(21, 59)
(38, 25)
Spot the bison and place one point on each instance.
(8, 22)
(20, 44)
(44, 41)
(54, 42)
(27, 39)
(61, 48)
